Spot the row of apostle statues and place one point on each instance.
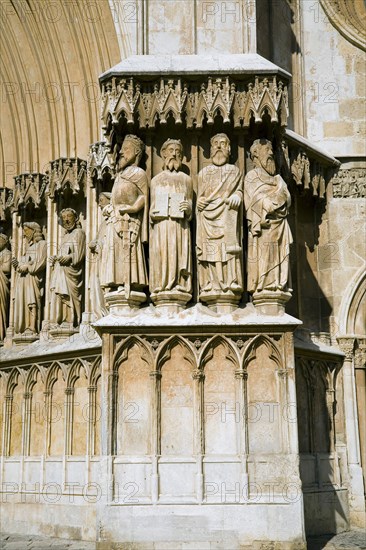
(160, 213)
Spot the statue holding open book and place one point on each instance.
(170, 238)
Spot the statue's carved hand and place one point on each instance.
(23, 269)
(154, 215)
(14, 263)
(65, 260)
(266, 224)
(53, 260)
(125, 209)
(93, 246)
(185, 207)
(202, 203)
(234, 202)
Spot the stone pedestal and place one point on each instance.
(25, 338)
(118, 303)
(62, 332)
(171, 301)
(221, 302)
(271, 302)
(208, 436)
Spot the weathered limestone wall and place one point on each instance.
(333, 86)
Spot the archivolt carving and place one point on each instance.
(348, 18)
(210, 346)
(139, 102)
(251, 350)
(164, 352)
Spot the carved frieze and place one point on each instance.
(234, 100)
(349, 183)
(66, 173)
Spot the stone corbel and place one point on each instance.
(66, 173)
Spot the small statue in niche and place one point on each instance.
(29, 280)
(67, 274)
(123, 266)
(97, 302)
(5, 268)
(170, 237)
(219, 198)
(267, 203)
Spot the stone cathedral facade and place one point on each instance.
(182, 271)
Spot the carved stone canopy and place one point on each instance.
(100, 162)
(28, 188)
(64, 173)
(194, 90)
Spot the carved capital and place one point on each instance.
(92, 388)
(27, 395)
(69, 391)
(198, 375)
(241, 374)
(155, 374)
(347, 345)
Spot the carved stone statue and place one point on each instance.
(67, 274)
(29, 281)
(219, 198)
(123, 261)
(98, 306)
(5, 268)
(267, 202)
(170, 239)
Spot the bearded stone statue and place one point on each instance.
(219, 198)
(267, 203)
(123, 272)
(170, 239)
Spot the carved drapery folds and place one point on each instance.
(233, 99)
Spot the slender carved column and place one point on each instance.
(69, 417)
(242, 376)
(360, 376)
(7, 422)
(27, 410)
(48, 419)
(357, 503)
(198, 377)
(92, 391)
(156, 427)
